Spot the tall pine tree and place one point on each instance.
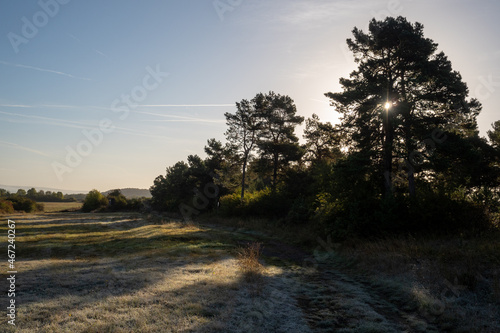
(401, 91)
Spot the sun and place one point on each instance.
(387, 105)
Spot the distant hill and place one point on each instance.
(131, 193)
(13, 189)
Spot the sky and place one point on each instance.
(107, 94)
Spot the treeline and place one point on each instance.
(11, 202)
(28, 201)
(406, 157)
(44, 196)
(114, 201)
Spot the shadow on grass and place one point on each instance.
(130, 276)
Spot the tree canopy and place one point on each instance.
(406, 156)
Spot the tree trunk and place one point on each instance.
(409, 149)
(389, 141)
(243, 178)
(275, 171)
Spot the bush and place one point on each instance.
(117, 201)
(94, 201)
(248, 261)
(6, 207)
(262, 203)
(137, 204)
(23, 204)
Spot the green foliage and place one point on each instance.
(48, 196)
(137, 204)
(6, 207)
(494, 134)
(262, 203)
(24, 204)
(117, 201)
(94, 200)
(4, 193)
(183, 184)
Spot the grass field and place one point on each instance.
(125, 272)
(50, 207)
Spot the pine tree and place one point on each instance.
(401, 91)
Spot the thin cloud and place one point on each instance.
(109, 108)
(79, 125)
(43, 70)
(17, 146)
(175, 118)
(40, 106)
(186, 105)
(50, 121)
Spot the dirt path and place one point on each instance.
(332, 300)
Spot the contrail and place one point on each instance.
(44, 70)
(15, 145)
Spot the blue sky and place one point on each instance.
(132, 87)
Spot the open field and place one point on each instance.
(50, 207)
(126, 272)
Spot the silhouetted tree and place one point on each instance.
(32, 194)
(401, 91)
(322, 140)
(243, 127)
(221, 160)
(494, 134)
(277, 142)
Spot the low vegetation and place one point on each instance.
(124, 272)
(127, 272)
(248, 261)
(51, 207)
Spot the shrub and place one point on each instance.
(248, 261)
(261, 203)
(23, 204)
(94, 201)
(6, 207)
(117, 201)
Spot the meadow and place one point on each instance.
(51, 207)
(128, 272)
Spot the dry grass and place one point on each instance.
(124, 273)
(453, 282)
(248, 260)
(51, 207)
